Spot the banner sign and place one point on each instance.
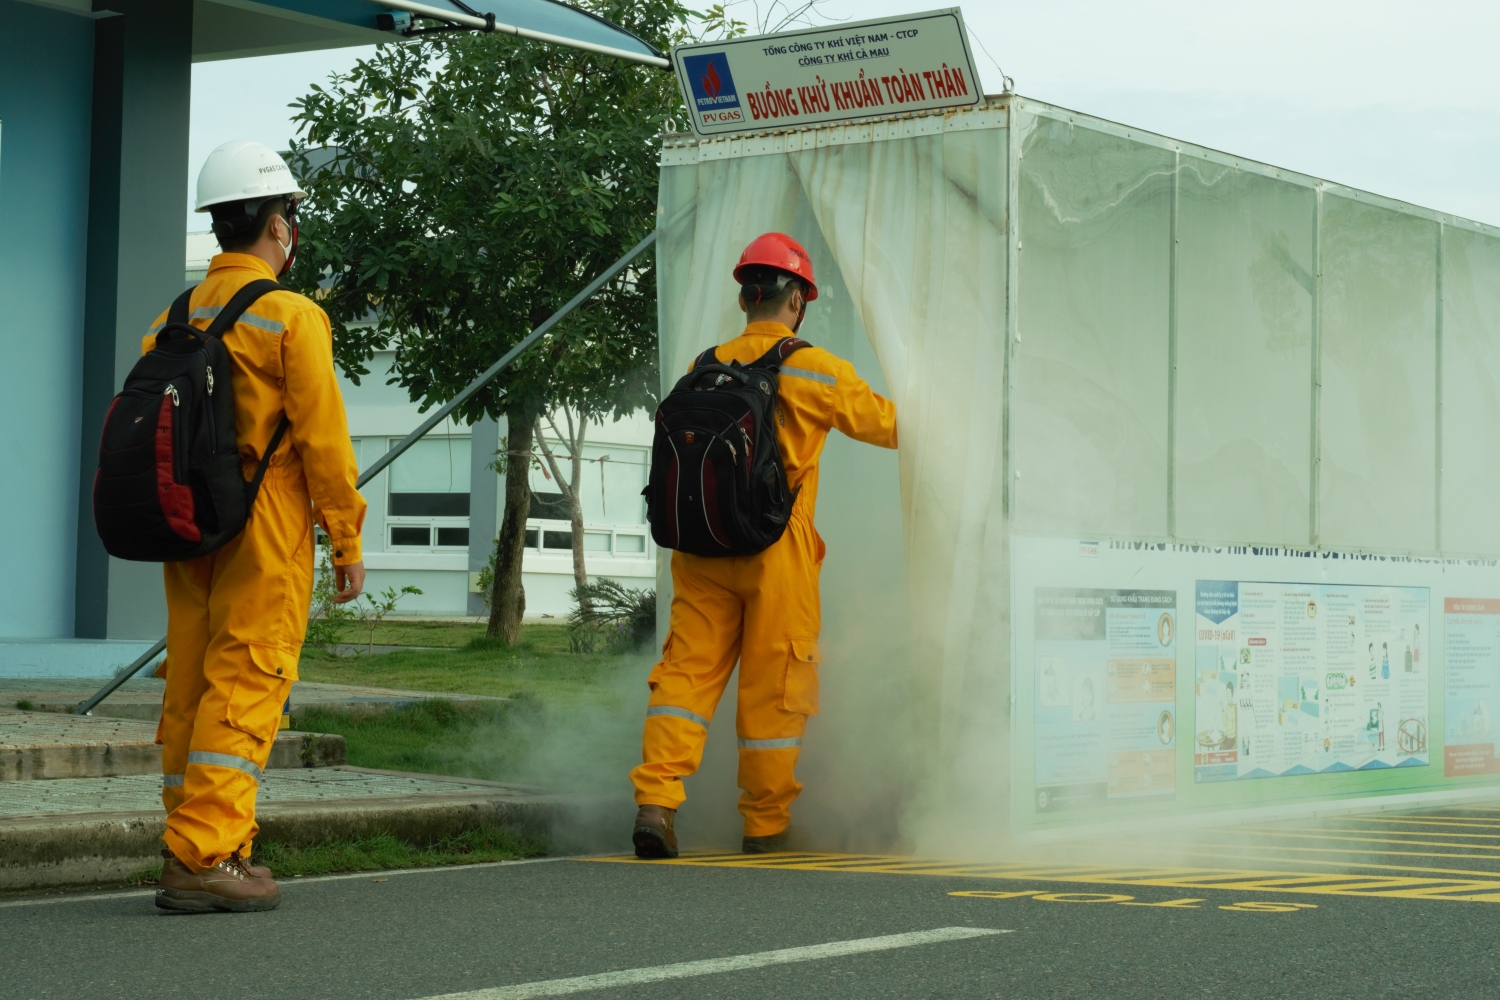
(841, 72)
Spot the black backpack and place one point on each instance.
(718, 486)
(169, 485)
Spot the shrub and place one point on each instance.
(611, 617)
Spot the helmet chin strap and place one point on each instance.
(801, 315)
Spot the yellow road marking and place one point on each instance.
(1334, 884)
(1436, 821)
(1381, 840)
(1352, 864)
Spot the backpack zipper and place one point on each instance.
(213, 430)
(177, 442)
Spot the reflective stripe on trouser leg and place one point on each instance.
(172, 780)
(226, 760)
(681, 713)
(671, 749)
(785, 744)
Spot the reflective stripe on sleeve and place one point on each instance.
(809, 375)
(226, 760)
(680, 713)
(172, 780)
(786, 744)
(249, 319)
(260, 322)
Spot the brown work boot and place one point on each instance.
(229, 885)
(774, 844)
(168, 858)
(654, 837)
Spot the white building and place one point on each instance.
(434, 513)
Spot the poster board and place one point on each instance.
(1292, 678)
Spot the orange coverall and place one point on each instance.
(762, 610)
(236, 617)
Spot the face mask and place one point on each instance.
(289, 250)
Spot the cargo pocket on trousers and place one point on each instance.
(800, 694)
(666, 655)
(261, 690)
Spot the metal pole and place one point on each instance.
(442, 412)
(87, 706)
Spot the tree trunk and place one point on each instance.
(575, 508)
(508, 600)
(572, 491)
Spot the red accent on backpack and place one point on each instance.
(710, 500)
(176, 500)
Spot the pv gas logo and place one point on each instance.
(714, 96)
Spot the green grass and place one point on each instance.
(487, 740)
(540, 666)
(384, 852)
(25, 705)
(449, 635)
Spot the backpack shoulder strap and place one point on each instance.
(230, 314)
(227, 317)
(178, 313)
(252, 488)
(708, 357)
(784, 349)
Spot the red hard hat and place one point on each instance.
(780, 251)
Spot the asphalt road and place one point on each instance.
(406, 936)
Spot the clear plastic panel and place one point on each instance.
(1379, 358)
(1471, 392)
(1091, 384)
(1245, 286)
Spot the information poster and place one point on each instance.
(1471, 637)
(1106, 694)
(1308, 678)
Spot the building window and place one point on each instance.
(404, 536)
(427, 500)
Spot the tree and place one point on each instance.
(462, 188)
(569, 487)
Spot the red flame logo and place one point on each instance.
(711, 81)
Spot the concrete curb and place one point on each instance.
(97, 759)
(73, 849)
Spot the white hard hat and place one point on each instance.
(244, 171)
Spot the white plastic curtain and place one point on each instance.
(915, 227)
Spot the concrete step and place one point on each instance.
(51, 746)
(140, 698)
(91, 830)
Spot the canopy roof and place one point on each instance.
(232, 29)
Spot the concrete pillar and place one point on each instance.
(137, 182)
(484, 498)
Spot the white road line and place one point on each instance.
(285, 882)
(710, 966)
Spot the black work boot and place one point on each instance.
(653, 835)
(774, 844)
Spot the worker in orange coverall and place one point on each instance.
(762, 610)
(236, 617)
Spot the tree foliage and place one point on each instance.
(463, 187)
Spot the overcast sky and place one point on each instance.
(1402, 99)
